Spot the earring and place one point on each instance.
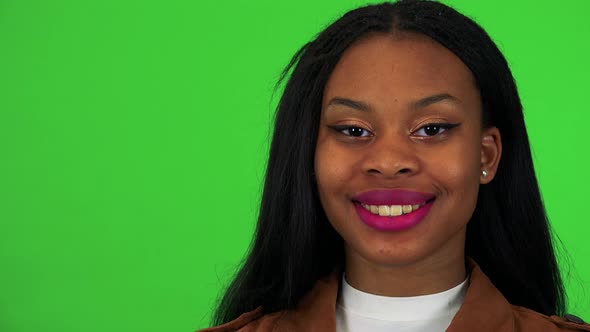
(484, 172)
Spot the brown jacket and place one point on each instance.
(484, 309)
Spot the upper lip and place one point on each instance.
(392, 197)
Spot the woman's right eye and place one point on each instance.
(353, 131)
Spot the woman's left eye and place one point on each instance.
(433, 129)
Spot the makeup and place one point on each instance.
(392, 210)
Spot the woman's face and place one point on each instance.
(402, 113)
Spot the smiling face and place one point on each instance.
(402, 112)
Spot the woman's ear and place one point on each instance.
(491, 151)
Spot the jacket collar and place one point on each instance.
(484, 308)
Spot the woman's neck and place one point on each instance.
(433, 274)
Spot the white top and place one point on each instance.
(358, 311)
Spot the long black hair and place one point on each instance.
(295, 245)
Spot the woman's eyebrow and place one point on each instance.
(358, 105)
(432, 100)
(421, 103)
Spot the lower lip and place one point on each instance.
(392, 224)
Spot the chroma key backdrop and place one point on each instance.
(134, 136)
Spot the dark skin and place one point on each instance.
(406, 81)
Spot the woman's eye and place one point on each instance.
(433, 129)
(353, 131)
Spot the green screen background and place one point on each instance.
(133, 139)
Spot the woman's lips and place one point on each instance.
(393, 199)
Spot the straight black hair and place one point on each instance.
(295, 245)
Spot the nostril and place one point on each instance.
(403, 170)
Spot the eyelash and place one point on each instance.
(445, 126)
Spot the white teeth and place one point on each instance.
(391, 210)
(395, 210)
(407, 208)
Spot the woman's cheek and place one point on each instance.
(463, 181)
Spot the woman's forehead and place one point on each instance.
(402, 66)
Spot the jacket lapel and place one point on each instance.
(484, 308)
(317, 310)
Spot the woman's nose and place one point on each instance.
(391, 157)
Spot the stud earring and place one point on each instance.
(484, 172)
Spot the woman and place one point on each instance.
(400, 193)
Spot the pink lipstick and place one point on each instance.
(393, 197)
